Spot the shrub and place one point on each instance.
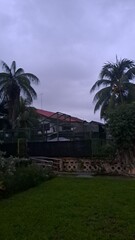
(22, 162)
(107, 151)
(23, 179)
(121, 123)
(7, 165)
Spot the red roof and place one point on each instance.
(44, 113)
(75, 119)
(61, 116)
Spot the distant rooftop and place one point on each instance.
(98, 123)
(59, 115)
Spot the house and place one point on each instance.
(60, 126)
(57, 126)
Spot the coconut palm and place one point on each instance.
(116, 80)
(13, 84)
(27, 117)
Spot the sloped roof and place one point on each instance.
(44, 113)
(98, 123)
(75, 119)
(61, 116)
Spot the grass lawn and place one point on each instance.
(67, 208)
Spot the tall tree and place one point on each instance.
(121, 123)
(27, 117)
(116, 80)
(13, 84)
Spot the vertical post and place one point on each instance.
(61, 165)
(57, 128)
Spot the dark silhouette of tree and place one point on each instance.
(13, 84)
(117, 86)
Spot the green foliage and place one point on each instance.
(7, 165)
(27, 116)
(122, 125)
(7, 168)
(107, 151)
(23, 179)
(17, 174)
(115, 80)
(13, 84)
(22, 162)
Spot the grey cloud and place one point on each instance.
(65, 43)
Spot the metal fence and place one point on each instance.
(35, 135)
(82, 148)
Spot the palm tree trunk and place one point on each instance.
(120, 91)
(121, 97)
(13, 117)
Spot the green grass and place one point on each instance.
(71, 209)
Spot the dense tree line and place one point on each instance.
(116, 102)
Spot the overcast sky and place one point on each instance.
(65, 44)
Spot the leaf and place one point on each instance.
(5, 67)
(13, 68)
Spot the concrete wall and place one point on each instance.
(94, 166)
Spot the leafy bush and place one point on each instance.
(23, 179)
(121, 123)
(108, 151)
(22, 162)
(105, 151)
(7, 165)
(18, 175)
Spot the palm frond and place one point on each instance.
(130, 96)
(28, 91)
(27, 94)
(104, 110)
(24, 102)
(126, 64)
(26, 87)
(4, 83)
(5, 67)
(3, 92)
(21, 79)
(106, 71)
(19, 72)
(4, 77)
(104, 82)
(32, 78)
(100, 102)
(103, 93)
(13, 67)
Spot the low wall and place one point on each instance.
(93, 167)
(83, 165)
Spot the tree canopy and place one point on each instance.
(13, 84)
(121, 123)
(116, 84)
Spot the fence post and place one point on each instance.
(61, 165)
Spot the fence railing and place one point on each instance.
(34, 135)
(82, 148)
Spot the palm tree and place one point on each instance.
(13, 84)
(115, 78)
(27, 117)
